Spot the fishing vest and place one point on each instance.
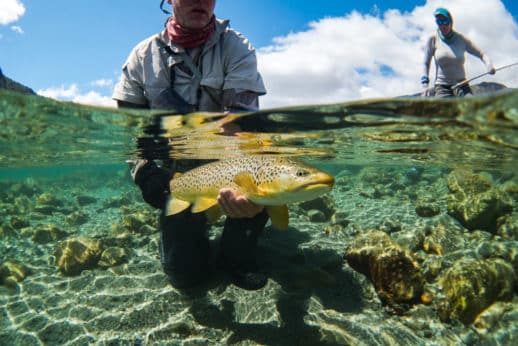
(162, 75)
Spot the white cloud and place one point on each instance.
(72, 93)
(94, 98)
(103, 83)
(10, 11)
(364, 56)
(17, 29)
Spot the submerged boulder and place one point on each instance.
(475, 202)
(392, 269)
(112, 257)
(471, 286)
(77, 254)
(441, 241)
(48, 233)
(11, 273)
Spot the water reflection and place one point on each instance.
(478, 131)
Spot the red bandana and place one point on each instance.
(188, 38)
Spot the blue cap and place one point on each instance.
(444, 12)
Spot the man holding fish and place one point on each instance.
(199, 64)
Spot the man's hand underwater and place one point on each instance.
(135, 165)
(236, 205)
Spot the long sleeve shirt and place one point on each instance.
(450, 57)
(226, 65)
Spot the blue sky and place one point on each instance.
(308, 51)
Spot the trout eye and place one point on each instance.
(302, 173)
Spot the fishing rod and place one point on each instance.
(466, 81)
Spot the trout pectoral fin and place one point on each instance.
(246, 183)
(213, 214)
(279, 215)
(203, 203)
(175, 206)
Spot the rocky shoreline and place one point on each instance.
(8, 83)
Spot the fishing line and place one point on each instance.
(481, 75)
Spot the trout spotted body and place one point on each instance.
(269, 181)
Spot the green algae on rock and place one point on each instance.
(471, 286)
(392, 269)
(508, 226)
(475, 201)
(440, 240)
(113, 256)
(76, 218)
(48, 233)
(11, 273)
(77, 254)
(424, 209)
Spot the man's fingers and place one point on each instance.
(236, 205)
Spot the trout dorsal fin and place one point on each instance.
(175, 206)
(246, 183)
(279, 215)
(203, 203)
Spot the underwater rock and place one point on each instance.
(11, 273)
(427, 209)
(340, 218)
(475, 202)
(22, 204)
(133, 222)
(47, 199)
(506, 250)
(315, 215)
(83, 200)
(137, 222)
(77, 254)
(333, 229)
(390, 225)
(508, 227)
(471, 286)
(45, 209)
(468, 183)
(324, 203)
(48, 204)
(117, 202)
(373, 176)
(498, 316)
(7, 209)
(113, 256)
(27, 188)
(441, 241)
(18, 222)
(7, 231)
(511, 188)
(480, 211)
(47, 234)
(392, 269)
(432, 267)
(77, 218)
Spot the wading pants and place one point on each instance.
(185, 252)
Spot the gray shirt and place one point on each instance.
(450, 58)
(209, 78)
